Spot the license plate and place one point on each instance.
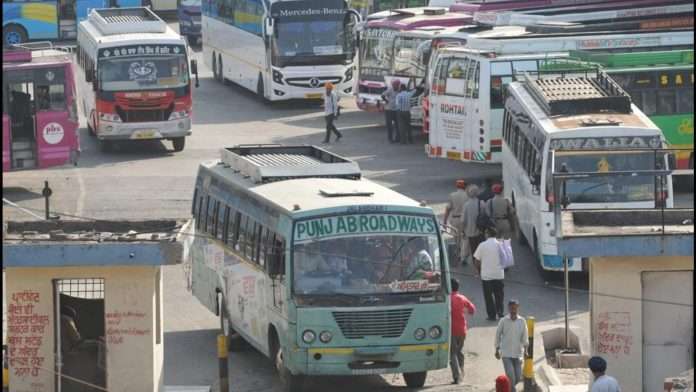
(313, 96)
(144, 134)
(363, 372)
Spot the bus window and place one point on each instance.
(200, 217)
(233, 229)
(221, 221)
(685, 97)
(477, 76)
(666, 102)
(243, 238)
(456, 74)
(524, 66)
(440, 76)
(498, 84)
(473, 65)
(501, 68)
(649, 103)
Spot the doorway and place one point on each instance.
(79, 305)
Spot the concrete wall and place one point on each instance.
(616, 319)
(134, 360)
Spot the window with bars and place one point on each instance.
(89, 288)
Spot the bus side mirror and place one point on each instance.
(194, 71)
(269, 27)
(275, 265)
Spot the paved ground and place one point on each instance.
(148, 180)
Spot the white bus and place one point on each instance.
(134, 77)
(593, 114)
(466, 94)
(325, 272)
(281, 49)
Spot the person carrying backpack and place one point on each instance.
(502, 213)
(474, 218)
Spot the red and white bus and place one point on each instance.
(134, 77)
(39, 116)
(376, 47)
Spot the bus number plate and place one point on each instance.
(144, 134)
(364, 372)
(313, 96)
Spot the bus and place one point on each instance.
(466, 93)
(593, 113)
(367, 7)
(39, 112)
(31, 20)
(290, 48)
(661, 84)
(134, 77)
(377, 45)
(189, 12)
(340, 277)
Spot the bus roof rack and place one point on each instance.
(578, 95)
(129, 20)
(264, 163)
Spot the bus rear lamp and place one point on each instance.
(435, 332)
(178, 115)
(308, 336)
(325, 336)
(419, 334)
(110, 117)
(277, 77)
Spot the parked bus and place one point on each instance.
(282, 49)
(324, 279)
(39, 115)
(593, 114)
(466, 94)
(376, 48)
(189, 12)
(30, 20)
(134, 77)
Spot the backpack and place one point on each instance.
(483, 220)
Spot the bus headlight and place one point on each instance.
(308, 336)
(277, 77)
(419, 334)
(179, 115)
(348, 75)
(325, 336)
(110, 117)
(435, 332)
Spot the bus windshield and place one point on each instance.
(297, 41)
(128, 74)
(376, 53)
(411, 56)
(622, 189)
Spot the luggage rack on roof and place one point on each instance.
(127, 20)
(578, 95)
(264, 163)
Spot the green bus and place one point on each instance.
(323, 271)
(661, 84)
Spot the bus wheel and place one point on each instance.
(215, 74)
(13, 34)
(90, 128)
(179, 143)
(415, 380)
(289, 381)
(221, 74)
(259, 88)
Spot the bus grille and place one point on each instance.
(371, 90)
(382, 323)
(310, 83)
(128, 116)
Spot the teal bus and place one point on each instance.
(661, 84)
(323, 271)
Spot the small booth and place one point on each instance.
(84, 304)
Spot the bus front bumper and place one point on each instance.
(144, 130)
(369, 360)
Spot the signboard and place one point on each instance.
(358, 224)
(597, 143)
(141, 50)
(311, 10)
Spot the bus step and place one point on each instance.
(21, 144)
(23, 163)
(23, 154)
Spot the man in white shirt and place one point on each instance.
(602, 382)
(331, 112)
(487, 263)
(511, 339)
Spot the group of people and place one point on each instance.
(397, 112)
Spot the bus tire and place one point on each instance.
(90, 128)
(179, 143)
(260, 89)
(215, 68)
(14, 34)
(416, 379)
(221, 73)
(290, 382)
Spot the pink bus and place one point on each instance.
(39, 112)
(376, 47)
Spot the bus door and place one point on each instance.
(19, 90)
(55, 128)
(475, 141)
(435, 97)
(453, 123)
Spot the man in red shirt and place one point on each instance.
(460, 306)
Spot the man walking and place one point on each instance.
(454, 209)
(390, 113)
(503, 213)
(487, 263)
(460, 306)
(602, 382)
(331, 112)
(470, 215)
(403, 105)
(511, 339)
